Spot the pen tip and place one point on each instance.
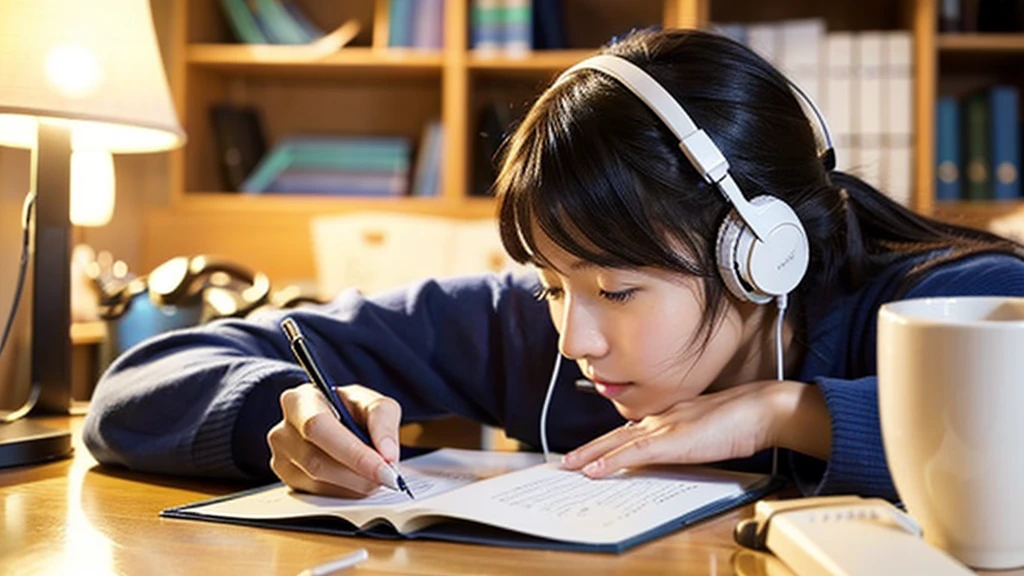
(405, 487)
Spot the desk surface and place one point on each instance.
(73, 517)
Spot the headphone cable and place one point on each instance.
(544, 408)
(26, 226)
(781, 301)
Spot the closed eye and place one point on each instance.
(549, 293)
(619, 296)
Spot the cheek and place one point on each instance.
(663, 346)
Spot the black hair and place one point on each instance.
(600, 175)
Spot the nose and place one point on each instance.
(580, 334)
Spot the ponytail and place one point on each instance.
(880, 231)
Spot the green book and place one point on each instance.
(279, 23)
(977, 151)
(242, 22)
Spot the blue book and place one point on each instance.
(548, 25)
(947, 149)
(487, 25)
(1005, 134)
(427, 172)
(400, 23)
(340, 183)
(311, 30)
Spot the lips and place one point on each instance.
(611, 389)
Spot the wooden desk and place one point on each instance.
(74, 517)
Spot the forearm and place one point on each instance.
(802, 419)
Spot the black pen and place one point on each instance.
(304, 354)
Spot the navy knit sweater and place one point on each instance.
(200, 401)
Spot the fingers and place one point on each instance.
(627, 446)
(590, 451)
(381, 415)
(307, 412)
(305, 467)
(639, 451)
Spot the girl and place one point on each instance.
(658, 303)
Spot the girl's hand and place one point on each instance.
(313, 452)
(734, 423)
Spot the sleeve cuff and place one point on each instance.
(214, 450)
(857, 461)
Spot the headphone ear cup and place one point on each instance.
(759, 271)
(726, 247)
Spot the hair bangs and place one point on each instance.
(564, 178)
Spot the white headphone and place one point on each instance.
(762, 248)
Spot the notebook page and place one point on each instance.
(552, 503)
(428, 476)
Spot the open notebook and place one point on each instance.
(502, 499)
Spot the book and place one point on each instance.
(947, 148)
(400, 23)
(976, 134)
(380, 154)
(242, 21)
(278, 23)
(509, 499)
(241, 143)
(1004, 130)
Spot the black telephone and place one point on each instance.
(183, 291)
(222, 288)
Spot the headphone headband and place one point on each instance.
(696, 145)
(762, 249)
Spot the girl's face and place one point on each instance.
(636, 332)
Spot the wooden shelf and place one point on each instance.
(253, 205)
(536, 61)
(981, 42)
(291, 60)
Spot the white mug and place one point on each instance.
(951, 405)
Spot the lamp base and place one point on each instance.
(26, 442)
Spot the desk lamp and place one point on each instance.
(79, 79)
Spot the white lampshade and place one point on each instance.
(94, 63)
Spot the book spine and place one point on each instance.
(272, 164)
(356, 160)
(340, 183)
(242, 21)
(947, 170)
(279, 23)
(311, 30)
(424, 178)
(548, 25)
(400, 23)
(427, 33)
(1005, 129)
(517, 22)
(978, 157)
(486, 26)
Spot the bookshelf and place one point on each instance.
(368, 88)
(365, 88)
